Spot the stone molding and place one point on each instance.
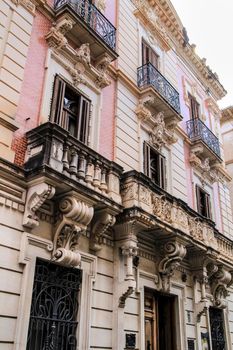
(161, 131)
(36, 195)
(102, 221)
(74, 219)
(173, 252)
(80, 58)
(220, 281)
(149, 18)
(27, 4)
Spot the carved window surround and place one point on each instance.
(32, 247)
(150, 20)
(78, 61)
(160, 128)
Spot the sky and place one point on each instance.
(209, 24)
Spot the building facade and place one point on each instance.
(116, 219)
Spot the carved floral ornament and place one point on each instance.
(80, 57)
(160, 134)
(151, 20)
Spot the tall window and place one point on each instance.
(149, 56)
(70, 110)
(154, 165)
(160, 325)
(217, 329)
(203, 202)
(194, 107)
(54, 309)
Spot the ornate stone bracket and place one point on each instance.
(101, 222)
(220, 281)
(129, 250)
(101, 67)
(203, 166)
(36, 196)
(160, 133)
(76, 215)
(173, 253)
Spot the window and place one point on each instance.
(154, 165)
(203, 202)
(54, 309)
(70, 110)
(159, 318)
(194, 107)
(217, 329)
(148, 55)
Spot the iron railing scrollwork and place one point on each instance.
(54, 308)
(217, 329)
(93, 18)
(196, 130)
(148, 75)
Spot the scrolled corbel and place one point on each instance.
(36, 196)
(101, 222)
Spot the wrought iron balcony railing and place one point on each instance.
(93, 18)
(148, 75)
(197, 130)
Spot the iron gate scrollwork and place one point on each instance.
(217, 329)
(54, 308)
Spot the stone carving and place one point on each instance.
(143, 112)
(144, 195)
(220, 281)
(180, 218)
(161, 207)
(101, 222)
(152, 20)
(83, 54)
(203, 167)
(75, 217)
(129, 191)
(77, 73)
(56, 39)
(173, 253)
(102, 66)
(65, 25)
(28, 4)
(100, 4)
(36, 196)
(195, 228)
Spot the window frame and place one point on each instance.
(152, 58)
(161, 163)
(46, 285)
(59, 113)
(194, 107)
(200, 191)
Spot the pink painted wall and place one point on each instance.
(30, 99)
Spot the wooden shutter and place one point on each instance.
(208, 207)
(57, 101)
(83, 122)
(148, 55)
(194, 107)
(146, 153)
(198, 198)
(162, 171)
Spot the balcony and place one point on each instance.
(163, 216)
(91, 26)
(54, 153)
(202, 137)
(165, 96)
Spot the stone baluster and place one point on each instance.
(73, 163)
(65, 161)
(103, 183)
(81, 166)
(89, 171)
(97, 175)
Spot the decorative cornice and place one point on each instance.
(28, 4)
(166, 16)
(227, 114)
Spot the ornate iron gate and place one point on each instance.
(217, 329)
(54, 309)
